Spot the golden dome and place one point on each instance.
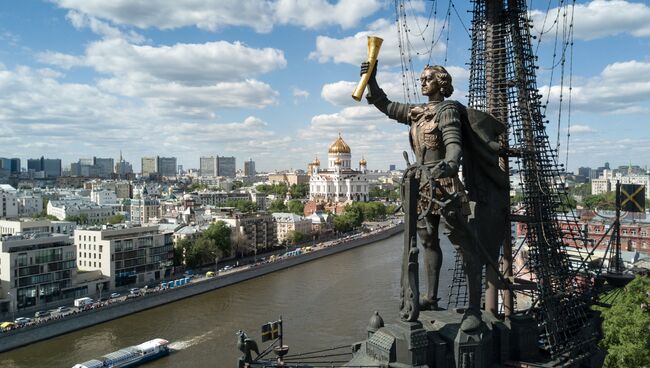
(316, 162)
(339, 146)
(338, 162)
(363, 162)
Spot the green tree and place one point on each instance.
(295, 237)
(279, 189)
(242, 205)
(626, 327)
(118, 218)
(605, 201)
(219, 232)
(296, 206)
(567, 204)
(181, 247)
(236, 184)
(240, 244)
(278, 206)
(196, 187)
(581, 190)
(299, 190)
(45, 216)
(81, 219)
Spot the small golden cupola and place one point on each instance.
(363, 162)
(338, 162)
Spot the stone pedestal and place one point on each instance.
(472, 349)
(411, 344)
(435, 341)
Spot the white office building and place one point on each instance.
(8, 201)
(127, 255)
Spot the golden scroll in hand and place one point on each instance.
(374, 43)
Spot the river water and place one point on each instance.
(324, 304)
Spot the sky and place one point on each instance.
(270, 80)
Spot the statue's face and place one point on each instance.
(429, 82)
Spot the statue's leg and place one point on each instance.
(456, 229)
(428, 233)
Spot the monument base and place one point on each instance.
(436, 341)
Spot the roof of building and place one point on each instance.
(287, 217)
(7, 188)
(339, 146)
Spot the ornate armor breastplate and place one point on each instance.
(425, 132)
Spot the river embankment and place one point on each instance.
(20, 337)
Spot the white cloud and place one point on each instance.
(578, 129)
(600, 18)
(621, 87)
(353, 49)
(192, 64)
(40, 113)
(187, 79)
(339, 93)
(297, 92)
(80, 21)
(211, 15)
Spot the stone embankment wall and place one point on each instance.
(24, 336)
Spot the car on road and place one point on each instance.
(22, 320)
(41, 314)
(115, 295)
(135, 291)
(63, 309)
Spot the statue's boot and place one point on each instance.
(471, 320)
(432, 264)
(429, 304)
(473, 273)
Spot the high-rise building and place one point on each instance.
(149, 166)
(226, 166)
(104, 166)
(249, 168)
(167, 166)
(123, 168)
(585, 171)
(51, 167)
(8, 201)
(391, 167)
(11, 165)
(208, 166)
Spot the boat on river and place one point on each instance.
(131, 356)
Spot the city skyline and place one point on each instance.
(82, 79)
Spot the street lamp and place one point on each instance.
(100, 286)
(13, 310)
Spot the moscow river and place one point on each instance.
(325, 303)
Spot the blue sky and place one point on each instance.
(270, 80)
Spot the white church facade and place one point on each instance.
(339, 182)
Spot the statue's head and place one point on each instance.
(435, 79)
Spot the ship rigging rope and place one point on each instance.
(564, 21)
(317, 351)
(406, 11)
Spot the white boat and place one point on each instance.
(129, 357)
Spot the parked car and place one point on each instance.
(22, 320)
(63, 309)
(41, 314)
(135, 291)
(115, 295)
